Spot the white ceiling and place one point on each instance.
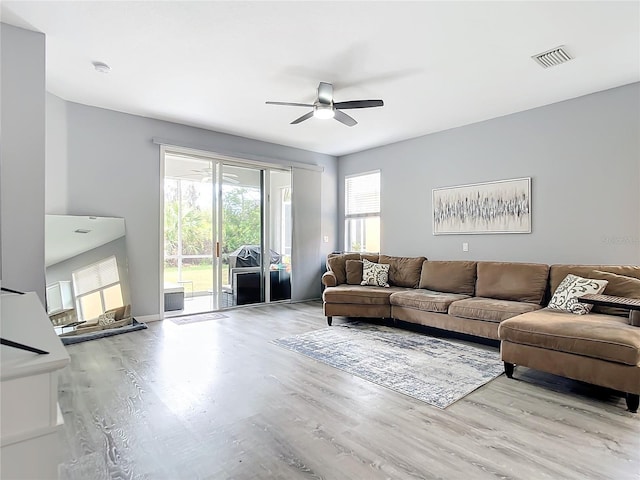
(62, 242)
(436, 65)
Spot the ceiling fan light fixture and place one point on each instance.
(101, 67)
(323, 112)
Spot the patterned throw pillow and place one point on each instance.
(376, 274)
(106, 319)
(570, 289)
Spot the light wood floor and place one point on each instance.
(216, 400)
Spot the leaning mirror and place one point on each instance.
(86, 274)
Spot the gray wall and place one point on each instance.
(22, 151)
(114, 170)
(584, 159)
(56, 168)
(62, 271)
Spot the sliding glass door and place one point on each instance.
(189, 235)
(219, 218)
(241, 227)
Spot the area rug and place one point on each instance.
(202, 317)
(84, 337)
(435, 370)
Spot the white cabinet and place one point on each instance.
(59, 297)
(29, 411)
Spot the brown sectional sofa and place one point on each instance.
(502, 301)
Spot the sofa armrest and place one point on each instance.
(329, 279)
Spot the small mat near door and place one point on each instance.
(202, 317)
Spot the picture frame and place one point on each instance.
(502, 206)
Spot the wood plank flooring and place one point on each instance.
(216, 400)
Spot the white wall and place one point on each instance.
(114, 170)
(23, 159)
(584, 159)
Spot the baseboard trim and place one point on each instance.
(147, 318)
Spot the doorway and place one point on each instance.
(219, 216)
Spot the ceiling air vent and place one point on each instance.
(553, 57)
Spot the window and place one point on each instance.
(285, 221)
(362, 212)
(97, 288)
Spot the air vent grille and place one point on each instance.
(553, 57)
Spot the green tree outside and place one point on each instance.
(241, 225)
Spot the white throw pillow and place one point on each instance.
(106, 319)
(573, 287)
(375, 274)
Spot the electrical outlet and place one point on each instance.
(465, 247)
(326, 239)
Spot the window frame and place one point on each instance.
(362, 216)
(101, 289)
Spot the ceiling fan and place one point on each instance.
(325, 107)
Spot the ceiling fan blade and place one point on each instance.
(344, 118)
(359, 104)
(304, 117)
(325, 93)
(289, 104)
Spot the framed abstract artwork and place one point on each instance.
(502, 206)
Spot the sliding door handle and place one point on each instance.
(218, 249)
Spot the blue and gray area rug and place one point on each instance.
(435, 370)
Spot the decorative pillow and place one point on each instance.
(354, 272)
(570, 289)
(376, 274)
(106, 319)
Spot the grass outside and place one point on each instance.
(200, 275)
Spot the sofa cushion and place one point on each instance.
(451, 277)
(618, 286)
(364, 295)
(403, 271)
(521, 282)
(426, 300)
(354, 272)
(605, 337)
(558, 272)
(336, 262)
(489, 309)
(372, 257)
(570, 289)
(374, 274)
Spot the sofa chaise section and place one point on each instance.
(601, 348)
